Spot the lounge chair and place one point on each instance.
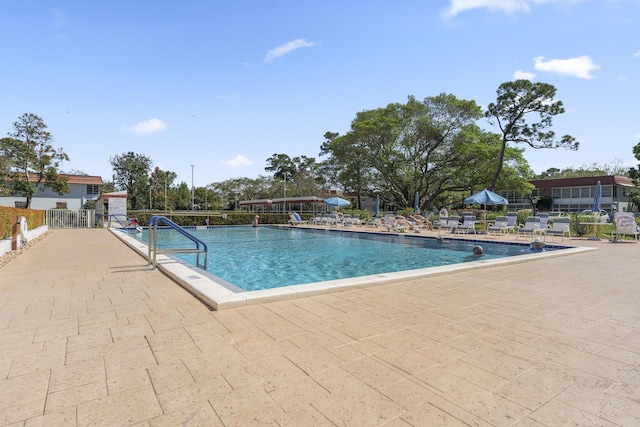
(530, 227)
(467, 226)
(544, 220)
(356, 220)
(559, 227)
(499, 226)
(512, 219)
(403, 224)
(450, 225)
(295, 219)
(625, 225)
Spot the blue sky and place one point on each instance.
(223, 85)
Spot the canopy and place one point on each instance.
(486, 197)
(337, 201)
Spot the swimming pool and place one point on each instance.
(258, 258)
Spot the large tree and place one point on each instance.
(160, 183)
(131, 173)
(32, 159)
(432, 147)
(517, 101)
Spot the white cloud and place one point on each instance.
(578, 67)
(637, 54)
(281, 51)
(238, 161)
(523, 75)
(150, 126)
(507, 6)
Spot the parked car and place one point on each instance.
(557, 214)
(603, 215)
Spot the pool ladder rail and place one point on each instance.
(154, 221)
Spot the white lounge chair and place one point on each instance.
(625, 225)
(499, 226)
(467, 226)
(512, 219)
(559, 227)
(544, 219)
(530, 227)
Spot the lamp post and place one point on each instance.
(284, 200)
(534, 203)
(193, 192)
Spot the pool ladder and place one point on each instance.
(154, 221)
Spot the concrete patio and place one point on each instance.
(90, 335)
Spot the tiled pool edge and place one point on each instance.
(218, 297)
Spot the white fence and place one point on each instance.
(71, 218)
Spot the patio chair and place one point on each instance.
(467, 226)
(512, 219)
(559, 227)
(450, 225)
(544, 220)
(530, 227)
(499, 226)
(625, 225)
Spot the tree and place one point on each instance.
(634, 174)
(131, 173)
(301, 171)
(516, 100)
(160, 183)
(432, 147)
(32, 158)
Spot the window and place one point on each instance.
(61, 205)
(584, 192)
(93, 189)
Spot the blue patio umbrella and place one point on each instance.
(486, 197)
(596, 198)
(416, 203)
(337, 202)
(377, 211)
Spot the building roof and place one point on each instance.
(74, 179)
(583, 181)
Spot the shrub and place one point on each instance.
(35, 218)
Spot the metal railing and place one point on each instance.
(154, 222)
(71, 218)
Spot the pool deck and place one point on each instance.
(90, 335)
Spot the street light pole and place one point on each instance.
(284, 200)
(193, 192)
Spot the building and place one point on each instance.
(83, 188)
(576, 194)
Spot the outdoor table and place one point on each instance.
(595, 229)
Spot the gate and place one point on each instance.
(71, 218)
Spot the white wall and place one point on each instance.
(5, 245)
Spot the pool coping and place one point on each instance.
(217, 297)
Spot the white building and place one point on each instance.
(83, 189)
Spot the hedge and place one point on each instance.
(35, 218)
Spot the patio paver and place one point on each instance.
(90, 335)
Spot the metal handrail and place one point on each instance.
(153, 241)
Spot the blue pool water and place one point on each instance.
(271, 257)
